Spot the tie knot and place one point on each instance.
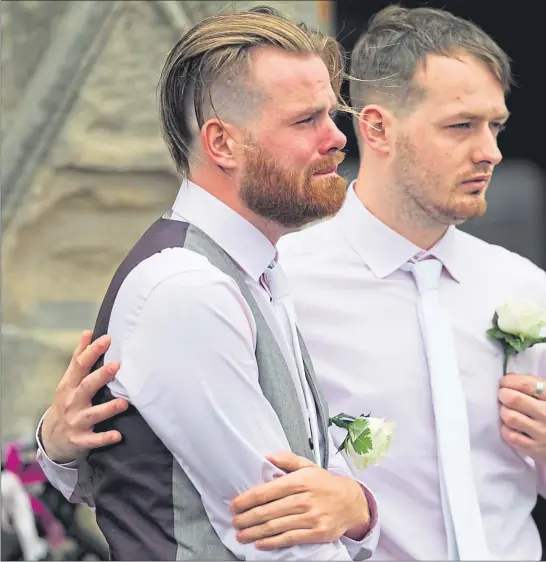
(426, 273)
(276, 281)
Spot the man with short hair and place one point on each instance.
(395, 302)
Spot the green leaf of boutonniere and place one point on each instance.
(360, 436)
(342, 420)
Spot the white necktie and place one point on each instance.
(283, 305)
(464, 526)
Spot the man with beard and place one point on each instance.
(212, 368)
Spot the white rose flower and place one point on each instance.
(522, 318)
(381, 433)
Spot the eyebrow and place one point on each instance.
(473, 117)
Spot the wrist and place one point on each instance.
(361, 522)
(359, 531)
(44, 436)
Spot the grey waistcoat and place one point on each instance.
(146, 506)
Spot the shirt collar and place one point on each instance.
(241, 240)
(382, 249)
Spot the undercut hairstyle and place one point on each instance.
(398, 40)
(207, 73)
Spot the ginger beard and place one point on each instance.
(422, 183)
(291, 198)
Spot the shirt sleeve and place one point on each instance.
(71, 479)
(189, 367)
(363, 549)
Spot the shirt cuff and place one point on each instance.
(364, 548)
(64, 477)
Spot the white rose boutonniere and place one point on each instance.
(367, 440)
(517, 324)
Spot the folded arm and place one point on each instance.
(307, 505)
(188, 365)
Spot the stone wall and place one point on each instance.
(27, 27)
(107, 176)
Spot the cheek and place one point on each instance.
(295, 156)
(436, 159)
(291, 148)
(299, 157)
(432, 143)
(447, 154)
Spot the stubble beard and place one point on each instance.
(418, 186)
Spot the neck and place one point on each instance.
(400, 214)
(223, 187)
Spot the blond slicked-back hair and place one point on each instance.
(215, 54)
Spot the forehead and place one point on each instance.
(460, 84)
(292, 81)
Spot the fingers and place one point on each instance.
(78, 437)
(290, 538)
(520, 402)
(101, 412)
(522, 423)
(527, 384)
(89, 356)
(94, 381)
(517, 440)
(289, 462)
(293, 505)
(98, 440)
(273, 528)
(85, 340)
(264, 493)
(82, 362)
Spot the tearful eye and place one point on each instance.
(306, 120)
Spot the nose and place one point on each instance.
(334, 139)
(487, 149)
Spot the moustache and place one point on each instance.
(331, 161)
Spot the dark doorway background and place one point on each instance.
(518, 27)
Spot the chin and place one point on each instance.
(459, 216)
(468, 208)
